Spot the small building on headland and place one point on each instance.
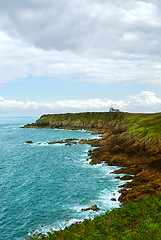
(113, 110)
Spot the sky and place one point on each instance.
(77, 56)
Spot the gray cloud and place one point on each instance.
(20, 59)
(89, 40)
(94, 26)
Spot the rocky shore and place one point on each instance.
(130, 141)
(140, 161)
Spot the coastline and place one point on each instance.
(133, 143)
(137, 157)
(101, 202)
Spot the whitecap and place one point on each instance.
(98, 136)
(59, 226)
(104, 199)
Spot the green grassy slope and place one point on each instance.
(139, 220)
(145, 126)
(134, 221)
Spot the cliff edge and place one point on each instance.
(131, 141)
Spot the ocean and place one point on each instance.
(44, 187)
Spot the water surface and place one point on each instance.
(44, 187)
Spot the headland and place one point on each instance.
(130, 141)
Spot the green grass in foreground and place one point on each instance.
(137, 221)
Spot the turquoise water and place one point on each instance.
(44, 187)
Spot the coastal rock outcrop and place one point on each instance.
(67, 142)
(138, 158)
(130, 141)
(93, 207)
(113, 199)
(29, 142)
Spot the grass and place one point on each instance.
(133, 221)
(145, 126)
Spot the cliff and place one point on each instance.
(131, 141)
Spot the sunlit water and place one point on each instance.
(44, 187)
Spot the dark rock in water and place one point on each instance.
(50, 143)
(67, 142)
(71, 139)
(29, 142)
(113, 199)
(93, 207)
(118, 177)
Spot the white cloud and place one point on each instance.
(144, 102)
(1, 98)
(144, 13)
(145, 98)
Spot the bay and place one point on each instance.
(43, 187)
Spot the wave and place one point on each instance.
(103, 201)
(97, 136)
(59, 226)
(44, 144)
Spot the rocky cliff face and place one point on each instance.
(132, 141)
(141, 160)
(89, 120)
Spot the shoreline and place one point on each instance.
(136, 156)
(128, 144)
(115, 194)
(144, 170)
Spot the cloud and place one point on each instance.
(96, 26)
(144, 102)
(88, 40)
(1, 98)
(20, 59)
(146, 97)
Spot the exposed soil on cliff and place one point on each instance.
(138, 159)
(131, 141)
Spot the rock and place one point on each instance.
(126, 177)
(118, 177)
(29, 142)
(67, 142)
(50, 143)
(113, 199)
(137, 156)
(117, 149)
(93, 207)
(85, 141)
(71, 139)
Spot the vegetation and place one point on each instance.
(145, 126)
(133, 221)
(140, 134)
